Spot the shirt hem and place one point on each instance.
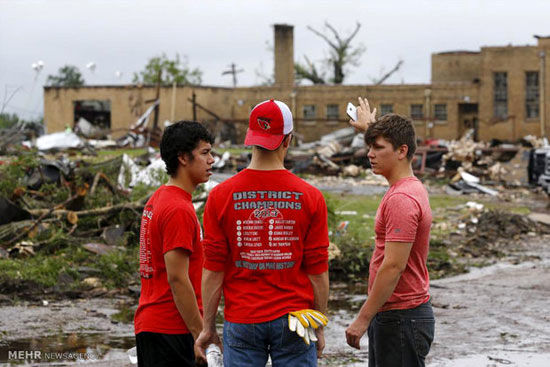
(264, 319)
(161, 331)
(404, 306)
(213, 266)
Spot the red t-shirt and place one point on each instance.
(168, 222)
(267, 230)
(404, 215)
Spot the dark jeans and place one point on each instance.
(165, 350)
(401, 338)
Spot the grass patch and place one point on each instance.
(40, 269)
(115, 270)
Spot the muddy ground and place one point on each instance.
(492, 316)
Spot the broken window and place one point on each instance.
(96, 112)
(440, 111)
(385, 109)
(531, 94)
(500, 92)
(309, 111)
(417, 111)
(332, 111)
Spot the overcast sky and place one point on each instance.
(121, 35)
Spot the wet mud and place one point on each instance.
(492, 316)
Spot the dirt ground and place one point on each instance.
(493, 316)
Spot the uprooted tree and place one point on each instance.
(341, 55)
(171, 71)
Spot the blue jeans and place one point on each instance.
(248, 345)
(401, 338)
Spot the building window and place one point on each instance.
(385, 109)
(309, 111)
(96, 112)
(417, 111)
(332, 111)
(532, 94)
(440, 112)
(500, 92)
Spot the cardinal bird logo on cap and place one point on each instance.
(264, 123)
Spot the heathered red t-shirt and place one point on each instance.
(267, 230)
(404, 215)
(168, 222)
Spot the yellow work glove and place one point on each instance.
(304, 322)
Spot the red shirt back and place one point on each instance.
(168, 222)
(404, 215)
(267, 230)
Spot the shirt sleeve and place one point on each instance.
(179, 230)
(316, 240)
(215, 245)
(402, 214)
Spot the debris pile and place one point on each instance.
(66, 208)
(497, 231)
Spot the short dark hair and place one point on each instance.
(396, 129)
(179, 138)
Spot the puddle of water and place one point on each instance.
(65, 349)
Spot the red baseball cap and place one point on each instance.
(269, 122)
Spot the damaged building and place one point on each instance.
(500, 92)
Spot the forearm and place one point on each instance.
(320, 284)
(186, 303)
(212, 282)
(385, 282)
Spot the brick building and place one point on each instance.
(501, 92)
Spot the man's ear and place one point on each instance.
(183, 159)
(402, 151)
(287, 140)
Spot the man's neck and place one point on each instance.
(183, 182)
(266, 161)
(399, 173)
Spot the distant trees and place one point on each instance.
(8, 120)
(67, 76)
(341, 55)
(170, 71)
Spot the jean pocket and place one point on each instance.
(239, 335)
(388, 320)
(291, 342)
(423, 330)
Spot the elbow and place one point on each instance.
(396, 268)
(175, 278)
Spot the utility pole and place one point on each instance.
(233, 70)
(194, 103)
(156, 116)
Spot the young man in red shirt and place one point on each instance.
(266, 241)
(168, 318)
(397, 313)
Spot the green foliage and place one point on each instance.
(12, 174)
(176, 70)
(118, 267)
(354, 258)
(67, 76)
(41, 269)
(8, 120)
